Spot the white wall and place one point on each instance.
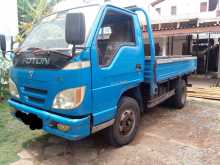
(186, 9)
(8, 17)
(145, 4)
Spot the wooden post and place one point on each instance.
(172, 45)
(207, 57)
(189, 38)
(197, 45)
(168, 45)
(218, 75)
(197, 50)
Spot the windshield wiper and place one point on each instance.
(36, 50)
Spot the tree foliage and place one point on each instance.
(4, 67)
(30, 12)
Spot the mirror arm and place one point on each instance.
(73, 50)
(3, 53)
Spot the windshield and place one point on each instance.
(50, 32)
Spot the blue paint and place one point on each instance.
(79, 128)
(152, 50)
(104, 85)
(171, 70)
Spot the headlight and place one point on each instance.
(13, 89)
(69, 99)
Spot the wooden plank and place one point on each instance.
(206, 93)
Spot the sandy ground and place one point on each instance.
(189, 136)
(201, 81)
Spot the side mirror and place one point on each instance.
(3, 44)
(75, 28)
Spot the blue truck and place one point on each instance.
(89, 68)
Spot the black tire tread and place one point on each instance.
(175, 101)
(111, 138)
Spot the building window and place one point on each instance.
(213, 4)
(203, 6)
(173, 10)
(158, 10)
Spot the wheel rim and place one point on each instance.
(127, 123)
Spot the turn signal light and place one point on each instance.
(59, 126)
(63, 127)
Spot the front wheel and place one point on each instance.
(126, 124)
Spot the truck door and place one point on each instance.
(117, 61)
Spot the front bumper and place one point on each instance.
(79, 128)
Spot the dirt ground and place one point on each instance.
(189, 136)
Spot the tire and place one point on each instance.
(179, 99)
(126, 124)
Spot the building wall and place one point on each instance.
(145, 4)
(9, 18)
(186, 9)
(166, 49)
(178, 45)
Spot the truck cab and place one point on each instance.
(85, 69)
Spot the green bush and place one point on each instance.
(4, 77)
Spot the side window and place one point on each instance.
(117, 30)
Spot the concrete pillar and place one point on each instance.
(164, 46)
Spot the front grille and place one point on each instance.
(35, 95)
(34, 90)
(36, 100)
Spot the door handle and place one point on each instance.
(138, 67)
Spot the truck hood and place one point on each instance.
(41, 60)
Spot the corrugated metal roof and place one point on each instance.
(188, 31)
(193, 26)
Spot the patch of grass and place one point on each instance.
(13, 135)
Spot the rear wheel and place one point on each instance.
(179, 99)
(126, 124)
